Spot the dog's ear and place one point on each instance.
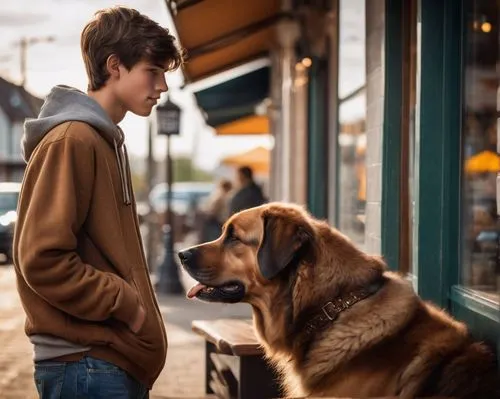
(281, 242)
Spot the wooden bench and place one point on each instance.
(235, 366)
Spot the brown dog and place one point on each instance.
(331, 318)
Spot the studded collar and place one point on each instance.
(330, 311)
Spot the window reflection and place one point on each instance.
(481, 164)
(352, 116)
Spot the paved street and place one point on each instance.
(183, 373)
(15, 357)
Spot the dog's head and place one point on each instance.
(257, 246)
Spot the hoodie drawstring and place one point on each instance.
(122, 159)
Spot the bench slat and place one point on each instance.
(230, 336)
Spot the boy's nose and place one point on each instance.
(163, 87)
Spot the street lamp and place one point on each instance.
(23, 44)
(168, 117)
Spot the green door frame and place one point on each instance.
(439, 163)
(439, 144)
(440, 147)
(317, 190)
(391, 142)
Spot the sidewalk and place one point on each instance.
(182, 377)
(15, 356)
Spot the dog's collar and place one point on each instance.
(331, 310)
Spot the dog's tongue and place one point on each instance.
(195, 289)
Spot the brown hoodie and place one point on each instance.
(78, 253)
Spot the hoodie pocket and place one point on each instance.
(141, 302)
(147, 347)
(151, 331)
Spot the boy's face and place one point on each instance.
(139, 89)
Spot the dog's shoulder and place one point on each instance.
(468, 372)
(447, 361)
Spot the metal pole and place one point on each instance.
(168, 164)
(169, 274)
(23, 44)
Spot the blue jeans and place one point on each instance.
(87, 378)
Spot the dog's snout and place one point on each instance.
(185, 255)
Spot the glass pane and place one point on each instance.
(352, 116)
(481, 161)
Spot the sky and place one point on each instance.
(60, 62)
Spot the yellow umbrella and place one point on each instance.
(486, 161)
(257, 159)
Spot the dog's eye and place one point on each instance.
(234, 239)
(230, 236)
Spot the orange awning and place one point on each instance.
(254, 124)
(258, 159)
(219, 34)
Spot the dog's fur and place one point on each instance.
(391, 343)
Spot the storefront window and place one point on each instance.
(352, 117)
(481, 160)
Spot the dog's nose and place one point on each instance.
(185, 255)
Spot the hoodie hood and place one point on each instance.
(64, 104)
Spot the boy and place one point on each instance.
(91, 311)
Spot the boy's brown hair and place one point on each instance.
(132, 37)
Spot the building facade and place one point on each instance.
(16, 104)
(384, 115)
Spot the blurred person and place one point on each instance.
(82, 277)
(249, 193)
(216, 211)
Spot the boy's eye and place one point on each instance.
(156, 71)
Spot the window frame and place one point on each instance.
(392, 170)
(440, 170)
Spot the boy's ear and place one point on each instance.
(113, 65)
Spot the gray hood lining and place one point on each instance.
(65, 104)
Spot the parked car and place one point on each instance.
(9, 195)
(187, 200)
(185, 196)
